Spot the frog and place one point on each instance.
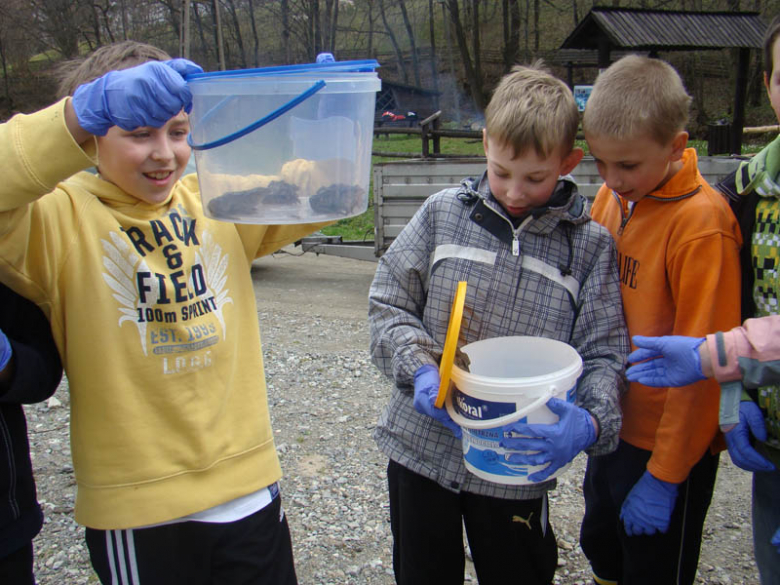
(239, 204)
(338, 198)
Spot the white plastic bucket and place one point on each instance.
(510, 379)
(283, 145)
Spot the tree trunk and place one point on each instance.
(201, 31)
(218, 34)
(434, 68)
(476, 45)
(184, 43)
(474, 82)
(6, 84)
(536, 27)
(412, 43)
(255, 39)
(239, 38)
(123, 9)
(286, 29)
(398, 55)
(317, 29)
(512, 25)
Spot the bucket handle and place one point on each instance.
(281, 110)
(481, 425)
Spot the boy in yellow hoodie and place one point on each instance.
(152, 308)
(678, 246)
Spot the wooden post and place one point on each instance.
(739, 100)
(436, 137)
(425, 127)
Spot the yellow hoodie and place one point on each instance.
(153, 311)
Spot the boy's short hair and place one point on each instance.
(121, 55)
(637, 96)
(532, 108)
(770, 36)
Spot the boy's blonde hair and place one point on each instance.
(121, 55)
(637, 96)
(532, 108)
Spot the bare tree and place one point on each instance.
(286, 30)
(473, 80)
(391, 35)
(412, 43)
(511, 28)
(255, 38)
(237, 32)
(61, 23)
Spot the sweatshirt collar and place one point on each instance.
(684, 183)
(112, 195)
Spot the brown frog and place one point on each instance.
(239, 204)
(339, 199)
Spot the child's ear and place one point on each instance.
(484, 140)
(571, 160)
(766, 84)
(679, 142)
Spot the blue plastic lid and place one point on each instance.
(361, 66)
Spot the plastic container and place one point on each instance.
(282, 145)
(510, 379)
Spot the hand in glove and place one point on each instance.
(673, 361)
(556, 444)
(426, 388)
(776, 540)
(5, 351)
(751, 420)
(146, 95)
(648, 507)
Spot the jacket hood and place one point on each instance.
(565, 205)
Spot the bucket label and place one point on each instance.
(482, 452)
(477, 409)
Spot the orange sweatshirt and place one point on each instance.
(678, 254)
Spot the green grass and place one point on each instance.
(361, 227)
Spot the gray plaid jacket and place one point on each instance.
(555, 276)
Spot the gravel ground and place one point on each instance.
(325, 398)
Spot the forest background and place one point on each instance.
(459, 48)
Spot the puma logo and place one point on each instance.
(526, 521)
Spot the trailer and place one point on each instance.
(400, 187)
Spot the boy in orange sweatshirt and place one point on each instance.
(678, 253)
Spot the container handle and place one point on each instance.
(281, 110)
(481, 425)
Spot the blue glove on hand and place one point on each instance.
(145, 95)
(556, 444)
(674, 361)
(5, 351)
(776, 540)
(751, 420)
(648, 506)
(426, 388)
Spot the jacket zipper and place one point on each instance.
(624, 218)
(516, 235)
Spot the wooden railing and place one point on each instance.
(431, 133)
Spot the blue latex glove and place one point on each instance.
(426, 388)
(776, 540)
(751, 420)
(674, 361)
(648, 506)
(146, 95)
(325, 58)
(5, 351)
(556, 444)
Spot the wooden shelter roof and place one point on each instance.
(666, 30)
